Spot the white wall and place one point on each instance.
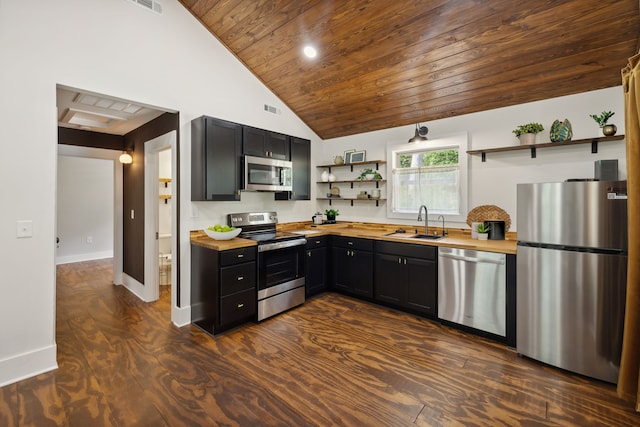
(117, 48)
(494, 182)
(84, 209)
(167, 60)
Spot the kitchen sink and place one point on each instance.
(415, 236)
(426, 236)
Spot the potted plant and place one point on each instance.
(607, 129)
(331, 214)
(527, 133)
(369, 174)
(483, 231)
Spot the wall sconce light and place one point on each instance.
(421, 132)
(125, 158)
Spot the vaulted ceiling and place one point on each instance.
(387, 63)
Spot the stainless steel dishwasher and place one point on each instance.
(472, 289)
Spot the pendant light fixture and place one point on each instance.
(421, 132)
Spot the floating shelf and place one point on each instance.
(355, 181)
(350, 199)
(368, 162)
(533, 147)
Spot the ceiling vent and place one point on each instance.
(153, 5)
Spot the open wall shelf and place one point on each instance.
(533, 147)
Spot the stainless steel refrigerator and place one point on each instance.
(571, 275)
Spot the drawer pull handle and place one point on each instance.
(240, 305)
(240, 278)
(350, 243)
(240, 255)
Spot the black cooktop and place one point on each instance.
(269, 236)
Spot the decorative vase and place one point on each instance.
(338, 160)
(325, 176)
(332, 177)
(527, 138)
(609, 130)
(561, 131)
(331, 217)
(369, 176)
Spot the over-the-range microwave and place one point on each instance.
(265, 174)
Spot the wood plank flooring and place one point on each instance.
(334, 361)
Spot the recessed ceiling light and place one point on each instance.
(310, 51)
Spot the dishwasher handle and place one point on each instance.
(472, 259)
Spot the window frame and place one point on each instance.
(458, 141)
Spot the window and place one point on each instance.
(431, 173)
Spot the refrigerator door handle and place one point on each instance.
(469, 259)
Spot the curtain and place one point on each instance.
(630, 363)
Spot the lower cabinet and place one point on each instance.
(406, 276)
(352, 265)
(316, 271)
(223, 287)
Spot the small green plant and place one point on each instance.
(602, 118)
(365, 172)
(332, 213)
(482, 228)
(528, 128)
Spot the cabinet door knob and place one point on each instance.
(399, 260)
(308, 253)
(240, 278)
(240, 305)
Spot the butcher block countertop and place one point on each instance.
(198, 237)
(456, 238)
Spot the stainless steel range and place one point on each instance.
(281, 281)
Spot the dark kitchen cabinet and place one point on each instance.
(406, 276)
(216, 159)
(264, 143)
(352, 265)
(300, 150)
(316, 265)
(223, 287)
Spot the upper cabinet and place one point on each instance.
(264, 143)
(301, 174)
(216, 159)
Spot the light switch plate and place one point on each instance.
(24, 228)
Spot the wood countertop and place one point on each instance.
(456, 238)
(198, 237)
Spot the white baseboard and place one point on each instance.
(181, 316)
(27, 365)
(83, 257)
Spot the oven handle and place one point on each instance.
(281, 245)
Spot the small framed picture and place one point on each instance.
(347, 155)
(358, 156)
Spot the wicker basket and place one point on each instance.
(489, 213)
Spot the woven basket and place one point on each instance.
(489, 213)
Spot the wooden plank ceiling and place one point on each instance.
(387, 63)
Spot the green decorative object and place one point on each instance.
(331, 214)
(561, 131)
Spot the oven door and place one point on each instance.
(281, 283)
(264, 174)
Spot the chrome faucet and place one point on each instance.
(443, 232)
(426, 218)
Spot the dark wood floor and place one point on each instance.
(334, 361)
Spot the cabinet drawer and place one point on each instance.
(237, 256)
(353, 243)
(237, 278)
(407, 250)
(238, 306)
(316, 242)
